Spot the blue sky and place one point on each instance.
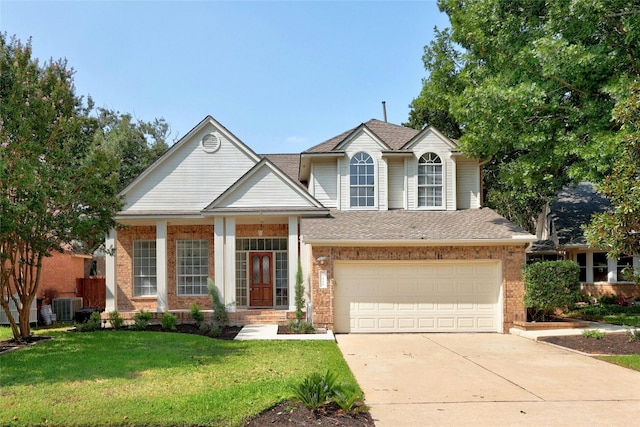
(281, 75)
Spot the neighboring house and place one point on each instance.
(385, 221)
(60, 271)
(561, 237)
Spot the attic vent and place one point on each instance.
(210, 143)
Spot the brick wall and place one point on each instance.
(124, 257)
(598, 290)
(512, 257)
(59, 274)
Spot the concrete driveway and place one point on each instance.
(487, 380)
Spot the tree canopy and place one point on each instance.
(618, 231)
(56, 185)
(531, 85)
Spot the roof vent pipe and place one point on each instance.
(384, 110)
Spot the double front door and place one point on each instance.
(261, 279)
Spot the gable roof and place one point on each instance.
(287, 163)
(247, 194)
(400, 227)
(392, 135)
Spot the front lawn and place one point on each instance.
(631, 361)
(609, 313)
(153, 378)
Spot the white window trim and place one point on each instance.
(612, 268)
(178, 275)
(376, 180)
(444, 182)
(133, 272)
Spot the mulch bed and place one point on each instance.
(295, 414)
(613, 343)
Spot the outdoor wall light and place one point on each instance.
(321, 259)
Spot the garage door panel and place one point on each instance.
(417, 297)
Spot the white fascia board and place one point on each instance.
(363, 128)
(258, 212)
(382, 243)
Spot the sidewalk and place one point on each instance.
(593, 326)
(270, 332)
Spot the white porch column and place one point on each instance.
(293, 260)
(110, 270)
(161, 266)
(218, 249)
(230, 265)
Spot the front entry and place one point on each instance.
(261, 285)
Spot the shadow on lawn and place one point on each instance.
(72, 356)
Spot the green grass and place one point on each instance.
(153, 378)
(614, 314)
(630, 361)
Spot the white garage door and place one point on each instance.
(417, 296)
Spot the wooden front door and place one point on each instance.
(261, 279)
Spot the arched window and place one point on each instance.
(430, 181)
(362, 185)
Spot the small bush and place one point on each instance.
(141, 320)
(349, 399)
(301, 327)
(592, 333)
(115, 320)
(220, 314)
(197, 314)
(92, 324)
(607, 299)
(169, 322)
(316, 390)
(214, 331)
(633, 334)
(551, 285)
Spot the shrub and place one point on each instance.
(197, 315)
(299, 294)
(115, 320)
(349, 399)
(593, 333)
(92, 324)
(633, 334)
(220, 314)
(316, 390)
(169, 322)
(214, 331)
(141, 320)
(551, 285)
(301, 327)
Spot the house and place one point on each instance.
(561, 236)
(385, 221)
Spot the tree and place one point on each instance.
(57, 186)
(137, 144)
(618, 231)
(531, 85)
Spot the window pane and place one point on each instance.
(255, 278)
(266, 269)
(600, 269)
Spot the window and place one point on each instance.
(624, 263)
(600, 268)
(193, 267)
(144, 268)
(582, 263)
(362, 185)
(282, 282)
(430, 181)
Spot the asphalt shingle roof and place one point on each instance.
(393, 135)
(287, 163)
(399, 225)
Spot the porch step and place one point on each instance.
(267, 316)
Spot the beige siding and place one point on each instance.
(468, 179)
(189, 178)
(324, 183)
(396, 183)
(264, 188)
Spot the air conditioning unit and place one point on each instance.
(65, 308)
(33, 312)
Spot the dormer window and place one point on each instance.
(430, 181)
(362, 181)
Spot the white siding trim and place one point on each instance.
(218, 250)
(111, 271)
(229, 292)
(292, 250)
(161, 265)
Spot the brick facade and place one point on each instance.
(512, 257)
(124, 260)
(59, 274)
